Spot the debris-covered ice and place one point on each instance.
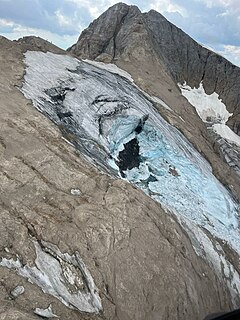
(61, 275)
(111, 68)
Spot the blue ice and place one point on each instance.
(174, 179)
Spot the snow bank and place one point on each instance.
(208, 106)
(111, 68)
(225, 132)
(211, 110)
(60, 275)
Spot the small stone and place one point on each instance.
(75, 192)
(17, 291)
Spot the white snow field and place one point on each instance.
(210, 109)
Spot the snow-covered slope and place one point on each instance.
(214, 114)
(211, 110)
(114, 125)
(60, 275)
(209, 107)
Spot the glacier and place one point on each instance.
(116, 127)
(61, 275)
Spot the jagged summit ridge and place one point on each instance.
(103, 32)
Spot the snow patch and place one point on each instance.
(181, 119)
(211, 110)
(45, 313)
(61, 275)
(208, 106)
(225, 132)
(68, 142)
(17, 291)
(160, 101)
(75, 192)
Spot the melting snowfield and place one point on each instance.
(61, 275)
(210, 109)
(116, 126)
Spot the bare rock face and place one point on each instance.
(102, 38)
(91, 246)
(189, 61)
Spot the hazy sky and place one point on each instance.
(213, 23)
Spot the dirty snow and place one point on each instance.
(225, 132)
(208, 106)
(115, 69)
(211, 110)
(159, 101)
(17, 291)
(55, 272)
(111, 68)
(45, 313)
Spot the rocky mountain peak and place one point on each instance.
(107, 33)
(123, 33)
